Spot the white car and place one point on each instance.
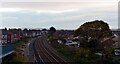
(117, 52)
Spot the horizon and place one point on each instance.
(46, 28)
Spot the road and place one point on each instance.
(44, 53)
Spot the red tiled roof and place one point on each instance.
(108, 42)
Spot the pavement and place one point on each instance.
(29, 53)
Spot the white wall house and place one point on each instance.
(71, 43)
(117, 43)
(3, 39)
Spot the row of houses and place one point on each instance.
(13, 35)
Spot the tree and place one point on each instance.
(5, 28)
(25, 29)
(93, 32)
(44, 29)
(52, 30)
(94, 28)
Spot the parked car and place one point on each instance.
(117, 52)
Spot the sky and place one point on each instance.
(61, 15)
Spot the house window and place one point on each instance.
(4, 41)
(0, 41)
(4, 36)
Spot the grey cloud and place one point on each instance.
(72, 19)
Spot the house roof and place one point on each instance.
(4, 32)
(108, 42)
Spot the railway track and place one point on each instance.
(37, 57)
(43, 54)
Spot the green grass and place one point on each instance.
(78, 56)
(18, 58)
(64, 51)
(18, 43)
